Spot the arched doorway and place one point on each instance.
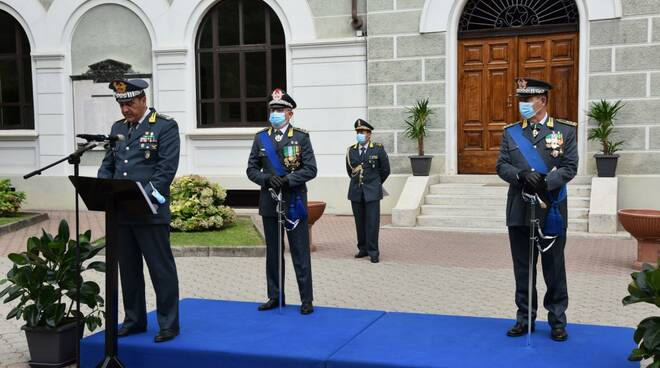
(499, 41)
(16, 105)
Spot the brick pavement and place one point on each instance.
(420, 271)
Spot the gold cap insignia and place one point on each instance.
(120, 87)
(522, 83)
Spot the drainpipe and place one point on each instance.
(356, 23)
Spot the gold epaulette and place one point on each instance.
(567, 122)
(301, 130)
(512, 124)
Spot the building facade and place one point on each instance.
(211, 64)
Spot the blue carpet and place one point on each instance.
(423, 340)
(234, 334)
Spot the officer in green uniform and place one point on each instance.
(538, 156)
(282, 159)
(149, 155)
(368, 167)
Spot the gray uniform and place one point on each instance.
(259, 170)
(368, 171)
(563, 165)
(149, 155)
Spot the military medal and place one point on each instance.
(148, 143)
(535, 131)
(147, 154)
(555, 141)
(278, 137)
(291, 155)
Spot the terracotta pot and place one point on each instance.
(314, 212)
(643, 225)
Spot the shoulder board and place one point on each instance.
(567, 122)
(163, 116)
(119, 121)
(512, 124)
(263, 130)
(378, 144)
(300, 130)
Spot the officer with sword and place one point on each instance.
(538, 157)
(282, 162)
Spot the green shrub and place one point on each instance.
(43, 281)
(645, 288)
(197, 204)
(10, 201)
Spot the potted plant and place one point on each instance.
(416, 130)
(645, 288)
(605, 113)
(43, 280)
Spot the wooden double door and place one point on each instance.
(487, 100)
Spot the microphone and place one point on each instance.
(102, 137)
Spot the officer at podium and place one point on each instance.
(149, 155)
(538, 157)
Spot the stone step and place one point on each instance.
(481, 189)
(487, 211)
(435, 221)
(488, 200)
(494, 179)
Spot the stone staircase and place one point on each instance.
(478, 203)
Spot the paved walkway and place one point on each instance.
(420, 271)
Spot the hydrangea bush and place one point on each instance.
(197, 204)
(10, 200)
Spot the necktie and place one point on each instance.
(131, 128)
(362, 151)
(535, 130)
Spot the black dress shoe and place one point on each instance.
(519, 329)
(127, 331)
(375, 260)
(166, 335)
(270, 304)
(306, 308)
(361, 254)
(559, 334)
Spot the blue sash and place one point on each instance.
(554, 222)
(296, 209)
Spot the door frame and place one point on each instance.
(451, 87)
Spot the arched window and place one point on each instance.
(489, 15)
(240, 58)
(16, 108)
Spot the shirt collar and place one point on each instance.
(544, 120)
(146, 113)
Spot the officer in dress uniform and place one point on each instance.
(538, 156)
(282, 158)
(149, 155)
(368, 167)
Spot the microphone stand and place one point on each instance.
(73, 159)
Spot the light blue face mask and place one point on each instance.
(361, 138)
(526, 109)
(277, 119)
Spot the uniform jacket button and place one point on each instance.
(125, 174)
